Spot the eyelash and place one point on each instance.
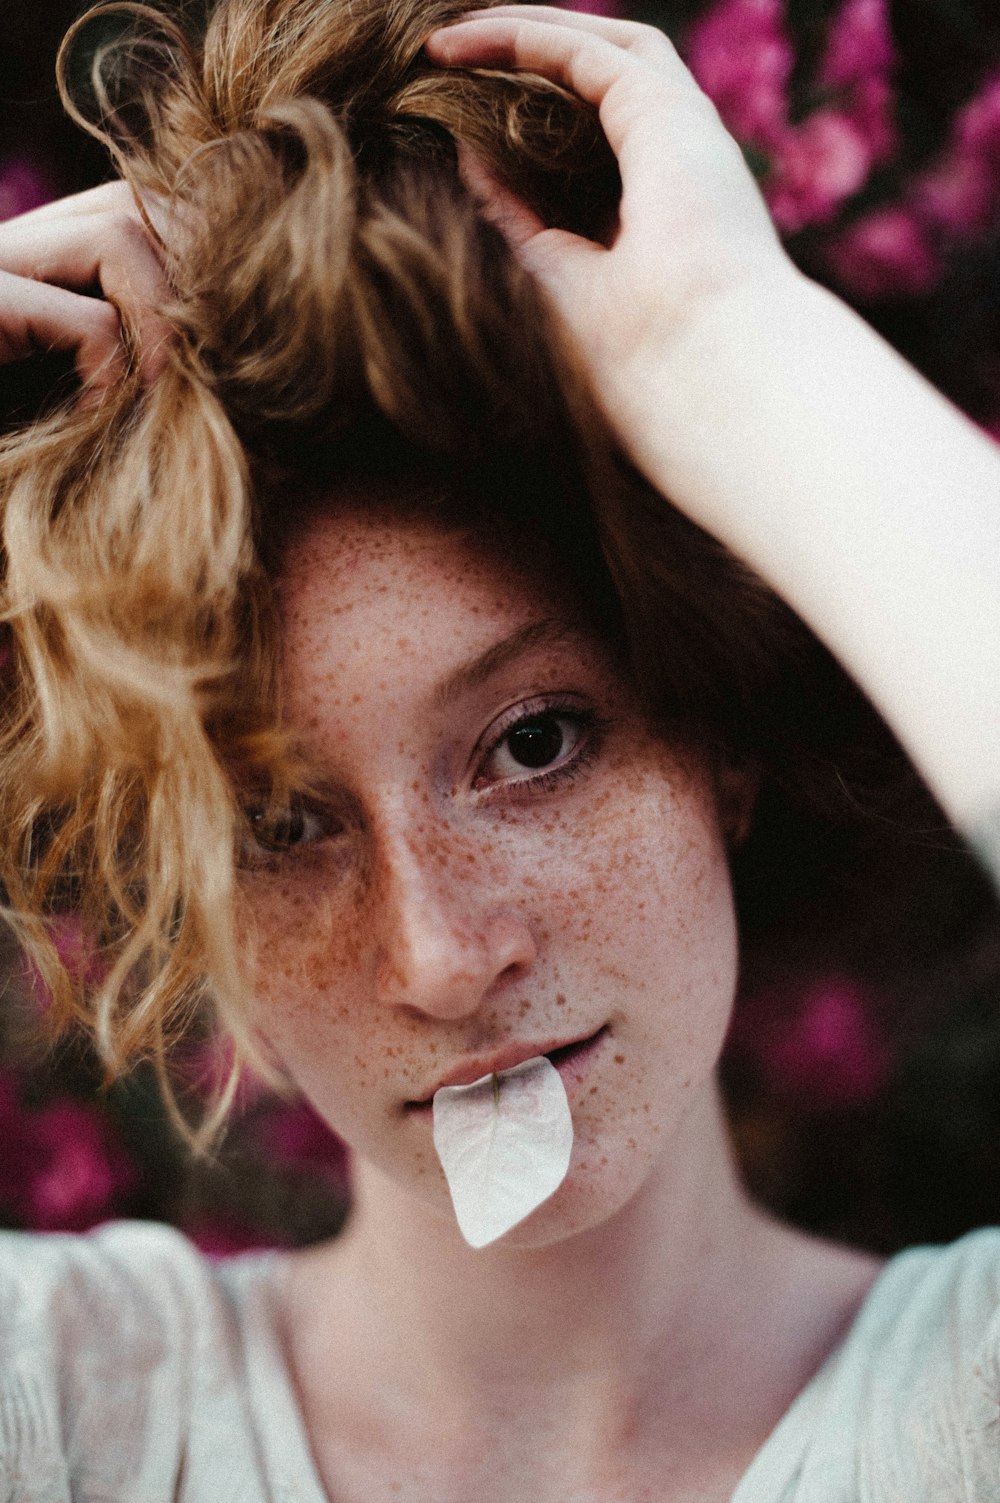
(589, 725)
(255, 854)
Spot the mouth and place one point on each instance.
(571, 1060)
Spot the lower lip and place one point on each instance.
(573, 1062)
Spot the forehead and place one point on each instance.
(352, 574)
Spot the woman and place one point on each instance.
(335, 561)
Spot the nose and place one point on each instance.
(445, 936)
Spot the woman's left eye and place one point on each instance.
(536, 746)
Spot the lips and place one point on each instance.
(506, 1059)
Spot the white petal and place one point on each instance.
(504, 1143)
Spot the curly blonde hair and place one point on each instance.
(342, 319)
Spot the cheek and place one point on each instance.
(638, 874)
(645, 923)
(300, 956)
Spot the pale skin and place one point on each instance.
(778, 420)
(641, 1332)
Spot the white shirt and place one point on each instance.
(134, 1370)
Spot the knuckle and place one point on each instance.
(122, 227)
(105, 325)
(655, 41)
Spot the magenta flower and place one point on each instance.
(859, 46)
(61, 1168)
(80, 1173)
(218, 1238)
(24, 185)
(956, 194)
(823, 1047)
(740, 53)
(900, 250)
(885, 253)
(78, 953)
(959, 192)
(817, 166)
(294, 1135)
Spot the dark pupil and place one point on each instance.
(536, 743)
(278, 831)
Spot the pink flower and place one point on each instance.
(295, 1135)
(959, 192)
(201, 1067)
(80, 1172)
(977, 124)
(741, 56)
(823, 1047)
(859, 45)
(885, 253)
(817, 166)
(78, 954)
(956, 193)
(24, 185)
(61, 1169)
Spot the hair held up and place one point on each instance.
(336, 301)
(342, 316)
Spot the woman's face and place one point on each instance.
(500, 861)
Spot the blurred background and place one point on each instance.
(863, 1106)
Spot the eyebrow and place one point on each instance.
(547, 633)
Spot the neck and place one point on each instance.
(675, 1270)
(660, 1347)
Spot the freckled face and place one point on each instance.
(499, 855)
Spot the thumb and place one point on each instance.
(563, 263)
(558, 259)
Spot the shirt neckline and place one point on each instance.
(287, 1453)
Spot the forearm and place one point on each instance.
(868, 502)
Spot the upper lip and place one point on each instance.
(475, 1067)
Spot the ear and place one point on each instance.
(737, 787)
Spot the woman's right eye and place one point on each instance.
(276, 832)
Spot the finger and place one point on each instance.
(36, 317)
(516, 222)
(577, 57)
(541, 38)
(109, 249)
(637, 104)
(111, 197)
(632, 36)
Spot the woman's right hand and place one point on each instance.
(53, 258)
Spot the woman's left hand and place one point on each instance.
(693, 228)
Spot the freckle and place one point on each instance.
(561, 1000)
(645, 1106)
(603, 1161)
(593, 1090)
(619, 1059)
(631, 1142)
